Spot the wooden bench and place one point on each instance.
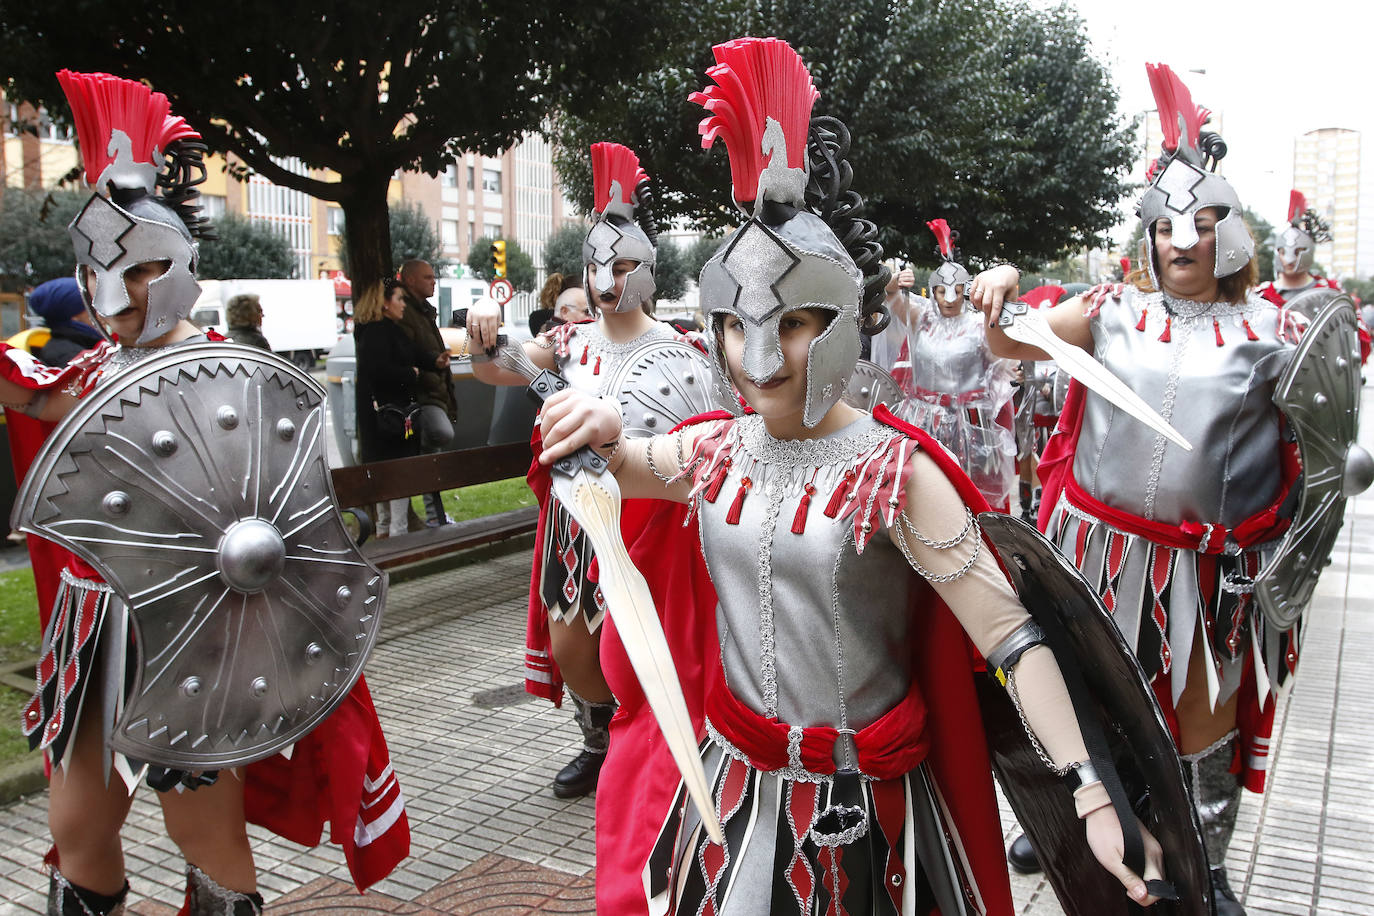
(366, 484)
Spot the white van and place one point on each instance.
(299, 317)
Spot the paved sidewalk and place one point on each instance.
(475, 756)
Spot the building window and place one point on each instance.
(492, 230)
(449, 230)
(491, 181)
(472, 233)
(449, 179)
(471, 179)
(336, 220)
(211, 206)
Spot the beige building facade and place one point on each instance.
(1335, 170)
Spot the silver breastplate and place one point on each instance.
(1218, 397)
(948, 354)
(811, 632)
(592, 359)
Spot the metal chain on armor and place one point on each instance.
(649, 459)
(971, 527)
(1040, 751)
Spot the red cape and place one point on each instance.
(639, 776)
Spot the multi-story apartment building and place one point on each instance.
(1335, 172)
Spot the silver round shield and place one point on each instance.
(871, 385)
(1319, 394)
(661, 384)
(195, 483)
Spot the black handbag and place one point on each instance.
(396, 422)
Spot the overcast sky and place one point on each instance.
(1274, 70)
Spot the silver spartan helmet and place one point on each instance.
(1177, 194)
(1294, 250)
(112, 235)
(615, 236)
(763, 271)
(949, 276)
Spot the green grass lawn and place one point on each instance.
(19, 634)
(483, 499)
(19, 640)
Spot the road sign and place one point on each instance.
(501, 289)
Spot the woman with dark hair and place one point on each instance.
(1173, 538)
(839, 714)
(388, 371)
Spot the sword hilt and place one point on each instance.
(1010, 312)
(544, 386)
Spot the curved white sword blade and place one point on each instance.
(594, 501)
(1021, 323)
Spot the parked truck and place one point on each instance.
(299, 317)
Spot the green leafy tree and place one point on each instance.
(413, 236)
(519, 265)
(1009, 132)
(34, 244)
(671, 277)
(563, 250)
(245, 249)
(699, 252)
(358, 88)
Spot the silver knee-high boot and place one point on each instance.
(206, 897)
(580, 775)
(1216, 795)
(66, 899)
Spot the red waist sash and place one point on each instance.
(1202, 537)
(892, 746)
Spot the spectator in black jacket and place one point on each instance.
(438, 404)
(388, 375)
(244, 316)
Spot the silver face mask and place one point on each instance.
(109, 239)
(949, 275)
(762, 272)
(1295, 251)
(612, 238)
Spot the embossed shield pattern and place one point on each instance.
(1319, 394)
(195, 483)
(660, 385)
(871, 385)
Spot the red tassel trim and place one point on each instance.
(596, 370)
(584, 356)
(1168, 330)
(736, 507)
(832, 508)
(1249, 331)
(713, 491)
(1216, 328)
(799, 520)
(1140, 325)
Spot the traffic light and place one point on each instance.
(498, 257)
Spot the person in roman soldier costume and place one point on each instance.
(566, 607)
(840, 708)
(1294, 254)
(960, 392)
(1174, 540)
(136, 255)
(1037, 409)
(1295, 250)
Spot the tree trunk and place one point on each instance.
(369, 233)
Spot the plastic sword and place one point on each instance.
(584, 485)
(1022, 323)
